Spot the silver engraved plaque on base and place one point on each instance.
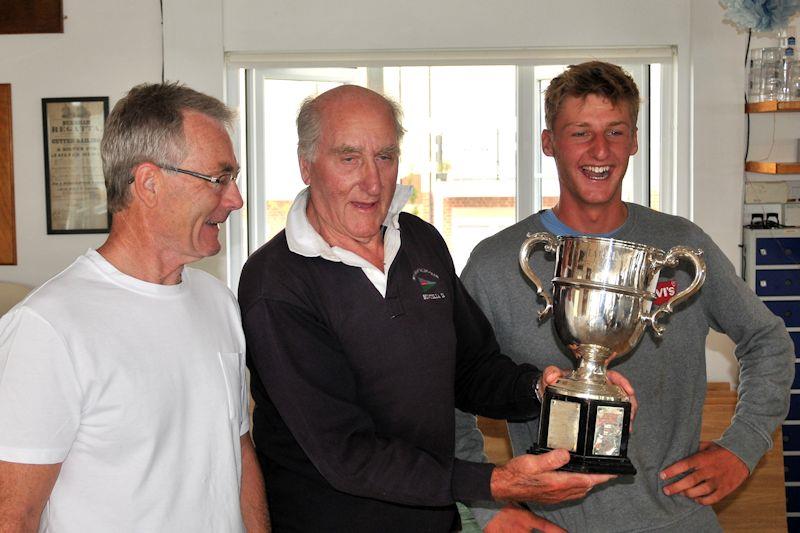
(608, 431)
(602, 297)
(564, 433)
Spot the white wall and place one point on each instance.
(421, 24)
(717, 153)
(107, 47)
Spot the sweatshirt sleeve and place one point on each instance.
(469, 447)
(469, 439)
(489, 383)
(763, 349)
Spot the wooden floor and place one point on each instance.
(758, 505)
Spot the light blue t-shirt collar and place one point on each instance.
(554, 225)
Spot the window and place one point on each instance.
(472, 148)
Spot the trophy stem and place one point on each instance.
(589, 380)
(593, 361)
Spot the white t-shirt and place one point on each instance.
(138, 389)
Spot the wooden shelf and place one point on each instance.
(767, 167)
(772, 107)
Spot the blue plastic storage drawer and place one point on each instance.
(795, 335)
(777, 282)
(793, 499)
(791, 467)
(796, 382)
(789, 311)
(793, 523)
(794, 407)
(772, 251)
(791, 437)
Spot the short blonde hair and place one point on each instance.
(593, 77)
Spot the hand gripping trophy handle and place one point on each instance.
(671, 260)
(551, 245)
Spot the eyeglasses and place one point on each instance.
(222, 180)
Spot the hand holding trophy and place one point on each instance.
(603, 292)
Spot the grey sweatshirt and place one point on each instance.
(669, 374)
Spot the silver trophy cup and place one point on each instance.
(603, 291)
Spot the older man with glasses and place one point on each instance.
(123, 395)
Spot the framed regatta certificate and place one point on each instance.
(74, 184)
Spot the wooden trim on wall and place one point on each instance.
(31, 16)
(8, 232)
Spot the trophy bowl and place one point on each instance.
(603, 294)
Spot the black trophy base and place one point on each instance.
(594, 431)
(620, 466)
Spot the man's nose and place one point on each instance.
(599, 148)
(232, 198)
(371, 177)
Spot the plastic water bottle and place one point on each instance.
(793, 83)
(771, 73)
(786, 67)
(754, 79)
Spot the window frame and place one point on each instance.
(246, 229)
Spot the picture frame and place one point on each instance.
(8, 232)
(75, 189)
(32, 16)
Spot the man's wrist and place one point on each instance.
(537, 388)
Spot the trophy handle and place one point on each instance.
(671, 260)
(551, 244)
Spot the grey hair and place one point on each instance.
(309, 120)
(146, 125)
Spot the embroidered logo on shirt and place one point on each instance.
(666, 290)
(427, 283)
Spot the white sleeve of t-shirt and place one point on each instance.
(40, 397)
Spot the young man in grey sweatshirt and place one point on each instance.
(591, 113)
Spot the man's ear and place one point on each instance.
(635, 145)
(146, 183)
(305, 169)
(547, 142)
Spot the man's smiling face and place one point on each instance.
(591, 141)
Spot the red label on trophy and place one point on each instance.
(665, 290)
